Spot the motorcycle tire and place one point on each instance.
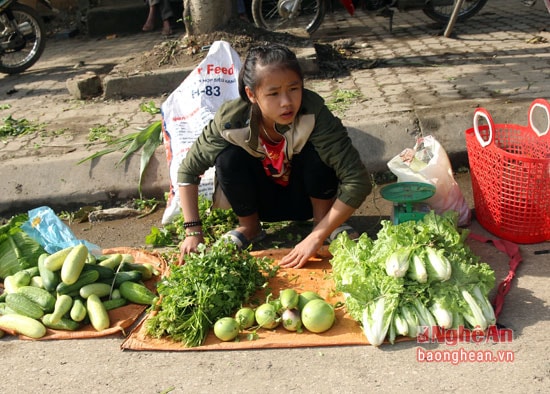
(14, 61)
(275, 15)
(443, 13)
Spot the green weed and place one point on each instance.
(341, 100)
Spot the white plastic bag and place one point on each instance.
(428, 162)
(189, 109)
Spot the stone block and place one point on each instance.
(85, 86)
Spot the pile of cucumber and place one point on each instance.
(71, 288)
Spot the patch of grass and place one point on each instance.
(341, 100)
(11, 127)
(101, 133)
(149, 107)
(5, 106)
(146, 204)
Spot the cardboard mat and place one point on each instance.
(121, 318)
(315, 277)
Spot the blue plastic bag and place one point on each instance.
(49, 231)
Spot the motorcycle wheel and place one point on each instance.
(14, 61)
(275, 15)
(443, 13)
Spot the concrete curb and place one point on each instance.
(62, 183)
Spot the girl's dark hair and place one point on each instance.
(269, 54)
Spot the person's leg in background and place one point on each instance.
(166, 13)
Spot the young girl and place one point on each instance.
(279, 154)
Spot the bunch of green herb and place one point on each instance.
(215, 223)
(212, 284)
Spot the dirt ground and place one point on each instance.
(100, 366)
(334, 57)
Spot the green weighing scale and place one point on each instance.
(407, 198)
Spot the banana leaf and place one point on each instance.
(17, 249)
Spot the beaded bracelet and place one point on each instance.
(194, 223)
(193, 233)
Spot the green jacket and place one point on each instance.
(236, 123)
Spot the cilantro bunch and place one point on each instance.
(212, 284)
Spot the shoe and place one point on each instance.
(340, 229)
(238, 238)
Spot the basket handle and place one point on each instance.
(482, 112)
(539, 103)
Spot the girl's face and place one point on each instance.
(278, 95)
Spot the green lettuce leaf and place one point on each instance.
(17, 249)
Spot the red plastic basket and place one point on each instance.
(510, 171)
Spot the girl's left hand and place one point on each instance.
(300, 255)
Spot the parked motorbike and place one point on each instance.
(22, 36)
(309, 14)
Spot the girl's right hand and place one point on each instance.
(189, 245)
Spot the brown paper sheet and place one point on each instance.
(314, 277)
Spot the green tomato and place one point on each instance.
(318, 316)
(226, 329)
(289, 298)
(245, 317)
(307, 296)
(266, 316)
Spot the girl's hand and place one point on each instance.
(302, 252)
(189, 245)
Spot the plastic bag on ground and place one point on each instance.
(428, 162)
(45, 227)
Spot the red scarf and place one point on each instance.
(276, 164)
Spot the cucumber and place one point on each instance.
(78, 310)
(114, 303)
(44, 299)
(137, 293)
(50, 279)
(99, 318)
(112, 261)
(5, 309)
(104, 272)
(115, 294)
(85, 278)
(146, 270)
(55, 261)
(24, 306)
(125, 276)
(127, 258)
(23, 325)
(36, 281)
(13, 282)
(91, 259)
(73, 264)
(33, 271)
(62, 324)
(99, 289)
(63, 305)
